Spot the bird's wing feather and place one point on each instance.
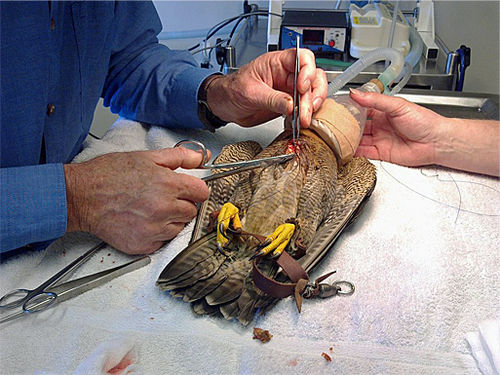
(182, 265)
(230, 289)
(356, 182)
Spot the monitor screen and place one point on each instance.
(313, 36)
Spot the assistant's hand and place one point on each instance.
(263, 89)
(134, 201)
(399, 131)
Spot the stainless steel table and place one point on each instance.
(456, 104)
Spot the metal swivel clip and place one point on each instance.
(325, 290)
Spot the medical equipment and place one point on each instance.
(424, 23)
(374, 25)
(225, 47)
(464, 62)
(326, 33)
(381, 54)
(50, 292)
(274, 25)
(236, 167)
(296, 96)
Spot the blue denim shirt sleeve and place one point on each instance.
(106, 49)
(34, 200)
(147, 81)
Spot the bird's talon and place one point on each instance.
(234, 231)
(222, 231)
(279, 239)
(228, 216)
(256, 255)
(275, 254)
(262, 245)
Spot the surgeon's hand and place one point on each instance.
(263, 89)
(134, 201)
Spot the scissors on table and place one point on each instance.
(236, 167)
(50, 292)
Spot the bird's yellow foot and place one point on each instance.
(228, 216)
(277, 241)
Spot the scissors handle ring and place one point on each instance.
(200, 145)
(39, 302)
(15, 298)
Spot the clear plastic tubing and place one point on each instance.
(407, 71)
(410, 61)
(393, 26)
(380, 54)
(393, 23)
(416, 48)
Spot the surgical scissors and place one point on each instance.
(236, 167)
(47, 293)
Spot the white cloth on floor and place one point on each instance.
(426, 273)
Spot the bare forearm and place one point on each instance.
(470, 145)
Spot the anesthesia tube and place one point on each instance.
(407, 71)
(410, 61)
(417, 45)
(380, 54)
(340, 121)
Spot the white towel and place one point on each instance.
(485, 346)
(115, 357)
(425, 275)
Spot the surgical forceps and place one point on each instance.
(47, 293)
(296, 95)
(236, 167)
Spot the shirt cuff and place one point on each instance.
(33, 205)
(183, 106)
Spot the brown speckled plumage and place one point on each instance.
(305, 189)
